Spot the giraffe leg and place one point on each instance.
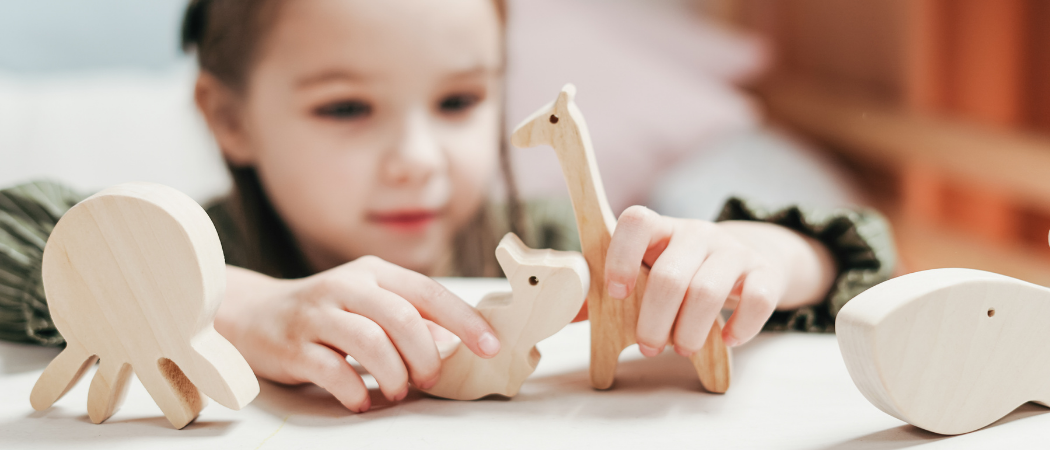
(712, 361)
(108, 388)
(605, 354)
(176, 396)
(60, 375)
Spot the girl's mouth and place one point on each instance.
(405, 221)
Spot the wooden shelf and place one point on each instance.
(926, 246)
(1014, 163)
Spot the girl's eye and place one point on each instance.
(345, 110)
(458, 103)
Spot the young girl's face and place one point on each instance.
(374, 125)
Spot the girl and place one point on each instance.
(364, 138)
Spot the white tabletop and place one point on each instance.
(788, 391)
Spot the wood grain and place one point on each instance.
(948, 350)
(134, 276)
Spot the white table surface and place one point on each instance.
(788, 391)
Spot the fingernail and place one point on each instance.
(730, 341)
(617, 290)
(488, 344)
(648, 351)
(402, 395)
(683, 352)
(365, 405)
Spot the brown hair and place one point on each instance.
(226, 35)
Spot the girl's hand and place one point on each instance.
(297, 331)
(700, 267)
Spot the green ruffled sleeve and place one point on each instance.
(28, 214)
(860, 240)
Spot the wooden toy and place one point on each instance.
(134, 276)
(548, 289)
(560, 125)
(948, 350)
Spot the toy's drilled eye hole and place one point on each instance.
(554, 119)
(991, 312)
(534, 281)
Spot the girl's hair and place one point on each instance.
(226, 35)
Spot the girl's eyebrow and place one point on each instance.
(329, 75)
(351, 76)
(480, 70)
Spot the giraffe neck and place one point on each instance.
(594, 217)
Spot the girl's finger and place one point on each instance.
(436, 303)
(404, 326)
(758, 299)
(666, 287)
(704, 300)
(637, 230)
(446, 342)
(440, 334)
(366, 341)
(330, 370)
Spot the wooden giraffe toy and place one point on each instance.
(948, 350)
(548, 289)
(613, 322)
(134, 276)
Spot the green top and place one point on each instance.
(860, 241)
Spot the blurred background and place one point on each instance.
(941, 108)
(936, 112)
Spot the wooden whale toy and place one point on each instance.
(548, 289)
(949, 350)
(560, 125)
(133, 277)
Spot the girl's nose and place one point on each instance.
(416, 154)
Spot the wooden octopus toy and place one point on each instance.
(134, 276)
(548, 289)
(948, 350)
(613, 322)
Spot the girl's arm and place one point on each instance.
(754, 268)
(807, 264)
(298, 331)
(860, 241)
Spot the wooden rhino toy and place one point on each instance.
(548, 289)
(948, 350)
(133, 277)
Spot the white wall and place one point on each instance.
(39, 36)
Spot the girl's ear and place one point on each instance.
(220, 107)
